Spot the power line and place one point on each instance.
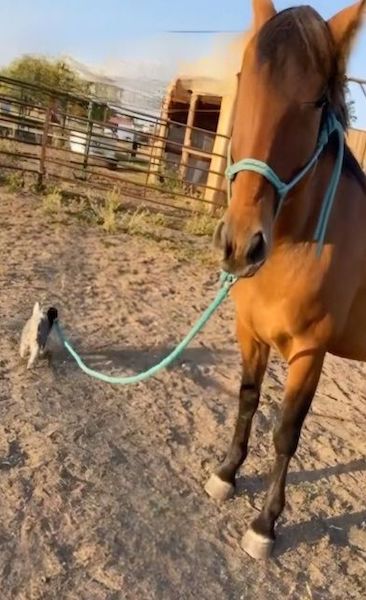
(201, 31)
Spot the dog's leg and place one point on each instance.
(33, 356)
(23, 348)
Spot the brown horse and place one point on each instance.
(287, 297)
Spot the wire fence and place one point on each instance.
(59, 137)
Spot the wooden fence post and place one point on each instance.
(188, 136)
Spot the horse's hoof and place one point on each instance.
(256, 545)
(218, 489)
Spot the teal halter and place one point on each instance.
(331, 125)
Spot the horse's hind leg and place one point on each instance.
(221, 484)
(303, 377)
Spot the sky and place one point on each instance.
(130, 36)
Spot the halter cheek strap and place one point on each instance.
(330, 126)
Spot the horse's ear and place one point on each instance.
(263, 11)
(345, 25)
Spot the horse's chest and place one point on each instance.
(276, 314)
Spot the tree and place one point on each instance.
(39, 71)
(351, 107)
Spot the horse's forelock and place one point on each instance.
(301, 34)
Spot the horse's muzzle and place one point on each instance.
(245, 260)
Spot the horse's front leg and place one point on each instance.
(221, 484)
(303, 377)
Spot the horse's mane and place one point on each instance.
(301, 33)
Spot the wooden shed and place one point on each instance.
(196, 120)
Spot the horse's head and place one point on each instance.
(293, 67)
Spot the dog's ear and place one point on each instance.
(36, 309)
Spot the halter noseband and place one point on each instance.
(330, 125)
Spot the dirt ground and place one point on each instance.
(102, 487)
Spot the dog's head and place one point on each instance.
(52, 315)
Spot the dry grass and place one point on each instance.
(9, 153)
(200, 225)
(52, 202)
(110, 214)
(106, 212)
(14, 181)
(143, 222)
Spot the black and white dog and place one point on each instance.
(36, 332)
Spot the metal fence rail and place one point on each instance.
(79, 140)
(56, 136)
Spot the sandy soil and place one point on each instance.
(102, 487)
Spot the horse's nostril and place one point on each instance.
(219, 236)
(222, 239)
(228, 250)
(256, 252)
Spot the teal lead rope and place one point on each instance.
(331, 126)
(227, 281)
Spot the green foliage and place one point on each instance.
(54, 74)
(40, 71)
(351, 107)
